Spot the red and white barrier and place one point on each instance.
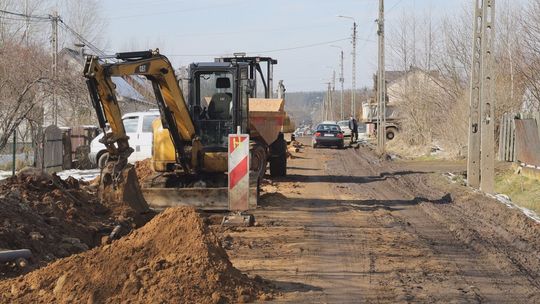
(238, 172)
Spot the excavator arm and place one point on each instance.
(175, 115)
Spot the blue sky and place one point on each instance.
(189, 31)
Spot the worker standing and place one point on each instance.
(353, 125)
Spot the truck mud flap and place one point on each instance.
(215, 199)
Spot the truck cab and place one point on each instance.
(138, 127)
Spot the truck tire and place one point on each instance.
(391, 133)
(102, 160)
(278, 157)
(278, 166)
(258, 161)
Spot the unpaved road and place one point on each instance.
(346, 227)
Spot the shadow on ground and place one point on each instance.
(342, 179)
(281, 201)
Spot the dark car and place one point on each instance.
(327, 135)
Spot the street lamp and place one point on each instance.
(353, 94)
(341, 79)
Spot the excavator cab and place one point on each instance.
(218, 101)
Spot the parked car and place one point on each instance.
(327, 135)
(138, 127)
(344, 126)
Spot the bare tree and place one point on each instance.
(23, 73)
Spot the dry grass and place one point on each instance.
(523, 191)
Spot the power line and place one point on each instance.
(267, 51)
(394, 6)
(81, 38)
(25, 15)
(20, 19)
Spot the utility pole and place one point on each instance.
(27, 21)
(332, 94)
(341, 80)
(353, 90)
(353, 93)
(54, 19)
(381, 84)
(481, 161)
(328, 101)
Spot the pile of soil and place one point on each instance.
(54, 218)
(144, 169)
(174, 258)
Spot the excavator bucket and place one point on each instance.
(215, 199)
(122, 191)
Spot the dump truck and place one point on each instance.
(189, 149)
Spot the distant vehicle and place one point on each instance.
(362, 131)
(344, 126)
(328, 135)
(138, 127)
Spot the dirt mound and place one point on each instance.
(53, 218)
(144, 169)
(172, 259)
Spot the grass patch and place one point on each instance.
(523, 191)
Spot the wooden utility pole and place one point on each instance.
(481, 150)
(381, 85)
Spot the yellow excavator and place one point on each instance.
(189, 154)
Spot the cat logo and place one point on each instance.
(143, 68)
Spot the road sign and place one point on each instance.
(238, 172)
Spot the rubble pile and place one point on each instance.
(174, 258)
(54, 218)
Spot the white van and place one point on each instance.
(138, 127)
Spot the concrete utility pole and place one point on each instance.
(54, 40)
(353, 90)
(329, 115)
(381, 84)
(353, 97)
(332, 112)
(341, 80)
(481, 161)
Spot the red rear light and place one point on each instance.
(340, 135)
(317, 134)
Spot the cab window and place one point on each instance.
(131, 124)
(147, 123)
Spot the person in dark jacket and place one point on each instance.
(353, 125)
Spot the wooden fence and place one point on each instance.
(60, 148)
(50, 150)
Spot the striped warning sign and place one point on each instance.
(238, 172)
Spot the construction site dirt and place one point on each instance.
(56, 218)
(345, 226)
(348, 227)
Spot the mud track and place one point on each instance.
(347, 227)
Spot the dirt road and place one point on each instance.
(346, 227)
